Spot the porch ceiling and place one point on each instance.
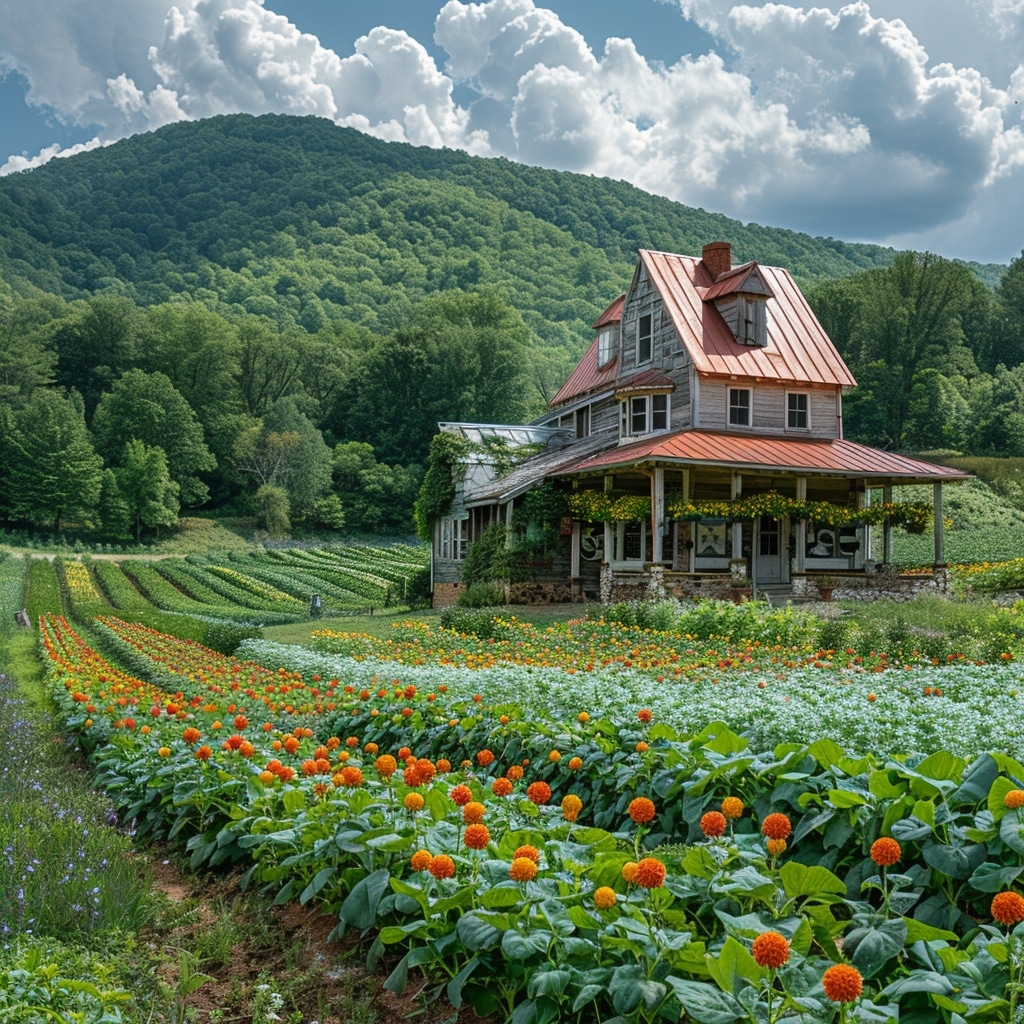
(837, 457)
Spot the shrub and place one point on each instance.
(225, 637)
(482, 595)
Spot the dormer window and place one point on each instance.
(645, 414)
(753, 321)
(644, 334)
(607, 345)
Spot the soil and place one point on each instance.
(321, 981)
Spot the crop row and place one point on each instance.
(575, 867)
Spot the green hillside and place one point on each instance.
(303, 221)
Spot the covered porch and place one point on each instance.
(707, 513)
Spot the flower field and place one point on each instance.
(650, 827)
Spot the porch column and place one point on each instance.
(736, 490)
(938, 526)
(887, 529)
(801, 527)
(609, 538)
(574, 557)
(865, 552)
(657, 512)
(691, 554)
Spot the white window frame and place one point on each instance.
(730, 407)
(641, 338)
(635, 405)
(790, 412)
(453, 539)
(607, 344)
(619, 539)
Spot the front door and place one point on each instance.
(771, 552)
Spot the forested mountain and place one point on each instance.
(271, 314)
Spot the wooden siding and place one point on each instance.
(768, 411)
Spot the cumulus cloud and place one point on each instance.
(835, 121)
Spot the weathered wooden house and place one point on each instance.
(699, 444)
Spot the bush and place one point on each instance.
(225, 637)
(482, 595)
(417, 589)
(481, 622)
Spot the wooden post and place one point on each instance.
(887, 529)
(938, 525)
(609, 528)
(736, 490)
(657, 512)
(801, 527)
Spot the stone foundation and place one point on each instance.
(885, 583)
(539, 593)
(447, 594)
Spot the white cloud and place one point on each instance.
(848, 121)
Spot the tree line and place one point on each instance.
(115, 417)
(938, 356)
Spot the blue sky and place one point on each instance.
(890, 121)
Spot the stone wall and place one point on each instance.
(887, 583)
(541, 592)
(446, 594)
(655, 583)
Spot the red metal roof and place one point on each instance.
(612, 315)
(733, 281)
(798, 348)
(749, 451)
(586, 377)
(646, 380)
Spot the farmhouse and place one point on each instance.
(697, 448)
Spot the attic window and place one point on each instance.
(607, 344)
(752, 326)
(643, 339)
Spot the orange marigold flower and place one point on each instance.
(411, 776)
(371, 749)
(191, 734)
(776, 846)
(267, 777)
(241, 722)
(641, 810)
(732, 807)
(522, 870)
(629, 871)
(842, 983)
(575, 764)
(291, 744)
(583, 717)
(555, 756)
(442, 866)
(309, 767)
(1008, 908)
(426, 769)
(286, 773)
(641, 747)
(320, 789)
(501, 787)
(885, 851)
(571, 807)
(473, 812)
(770, 949)
(386, 766)
(484, 758)
(352, 776)
(204, 753)
(530, 852)
(644, 714)
(420, 860)
(246, 749)
(404, 752)
(650, 873)
(539, 792)
(164, 751)
(333, 743)
(413, 801)
(1014, 799)
(776, 826)
(713, 823)
(515, 772)
(461, 795)
(604, 898)
(477, 836)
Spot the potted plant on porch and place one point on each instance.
(740, 584)
(826, 584)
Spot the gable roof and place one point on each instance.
(798, 351)
(760, 452)
(587, 377)
(744, 279)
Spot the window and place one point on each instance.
(797, 417)
(607, 343)
(645, 414)
(583, 422)
(630, 543)
(753, 322)
(643, 339)
(739, 407)
(453, 538)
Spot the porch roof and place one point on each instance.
(836, 457)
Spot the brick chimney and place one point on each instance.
(717, 258)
